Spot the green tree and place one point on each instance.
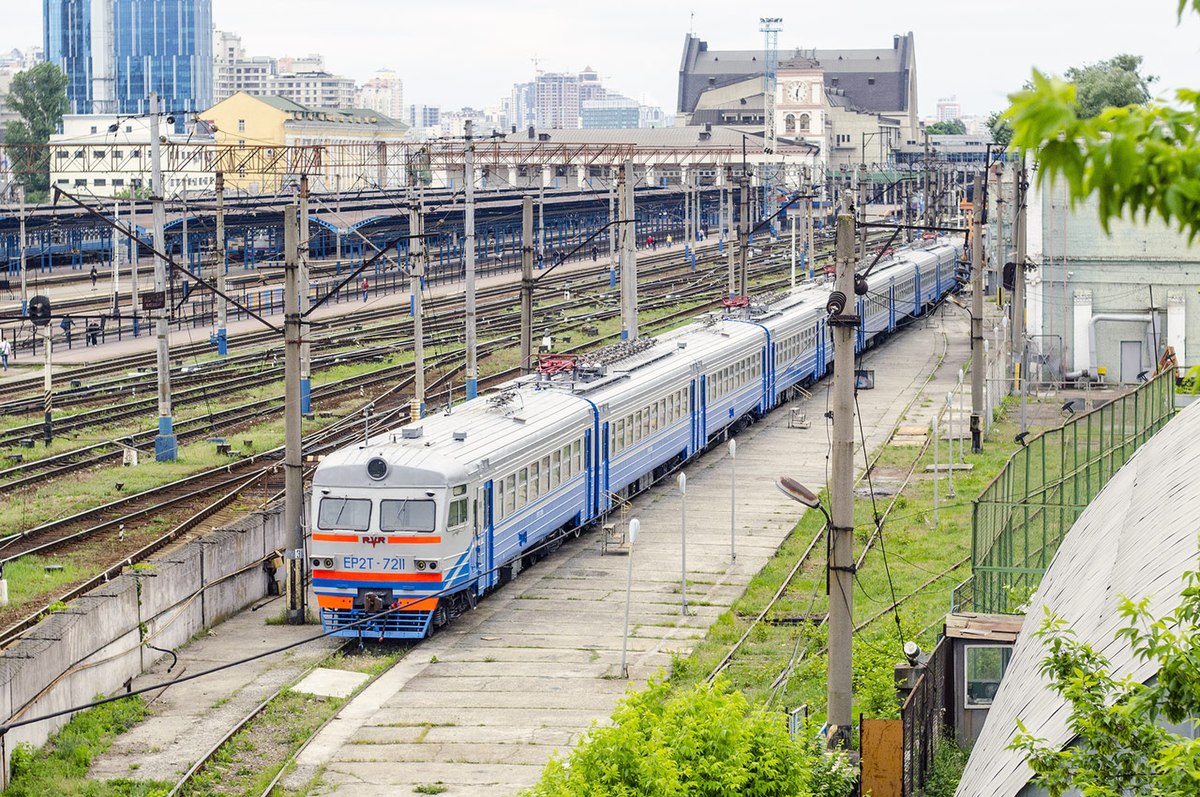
(1134, 159)
(954, 127)
(708, 742)
(1110, 84)
(1121, 748)
(39, 95)
(1002, 132)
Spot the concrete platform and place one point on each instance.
(484, 704)
(330, 683)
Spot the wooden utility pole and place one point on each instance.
(293, 472)
(978, 356)
(841, 491)
(526, 283)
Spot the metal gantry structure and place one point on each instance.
(770, 26)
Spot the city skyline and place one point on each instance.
(636, 49)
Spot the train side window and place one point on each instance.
(645, 424)
(510, 497)
(555, 469)
(577, 456)
(535, 481)
(458, 513)
(522, 487)
(545, 475)
(498, 502)
(568, 471)
(345, 514)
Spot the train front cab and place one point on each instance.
(392, 564)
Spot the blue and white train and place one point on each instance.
(413, 526)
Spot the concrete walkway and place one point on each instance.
(482, 706)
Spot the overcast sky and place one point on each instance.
(469, 52)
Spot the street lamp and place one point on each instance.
(634, 527)
(801, 495)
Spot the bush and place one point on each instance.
(708, 742)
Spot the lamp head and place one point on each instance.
(797, 492)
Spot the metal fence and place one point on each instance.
(1022, 515)
(926, 724)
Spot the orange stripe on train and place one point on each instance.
(354, 575)
(390, 540)
(404, 605)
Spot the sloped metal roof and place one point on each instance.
(1136, 540)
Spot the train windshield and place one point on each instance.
(353, 514)
(407, 515)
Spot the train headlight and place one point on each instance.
(433, 564)
(420, 564)
(377, 468)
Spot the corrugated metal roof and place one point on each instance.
(1136, 540)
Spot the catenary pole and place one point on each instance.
(21, 247)
(416, 277)
(164, 443)
(978, 357)
(469, 230)
(292, 456)
(526, 282)
(841, 558)
(222, 303)
(629, 308)
(305, 354)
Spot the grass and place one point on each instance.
(917, 552)
(59, 769)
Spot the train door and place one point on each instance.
(605, 458)
(916, 292)
(484, 539)
(768, 380)
(860, 336)
(703, 410)
(891, 314)
(591, 476)
(694, 416)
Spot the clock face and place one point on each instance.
(797, 92)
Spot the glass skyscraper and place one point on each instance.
(115, 52)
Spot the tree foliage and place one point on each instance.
(1002, 131)
(953, 127)
(1121, 748)
(708, 742)
(39, 96)
(1114, 83)
(1134, 159)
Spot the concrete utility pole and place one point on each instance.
(810, 230)
(526, 283)
(542, 218)
(337, 199)
(293, 473)
(1019, 341)
(135, 253)
(863, 201)
(792, 217)
(841, 491)
(116, 260)
(21, 246)
(164, 443)
(47, 390)
(727, 192)
(925, 182)
(743, 236)
(978, 356)
(629, 304)
(305, 354)
(222, 303)
(612, 220)
(469, 229)
(416, 275)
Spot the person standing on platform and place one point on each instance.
(366, 286)
(93, 275)
(66, 325)
(5, 351)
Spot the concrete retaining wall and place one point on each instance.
(101, 640)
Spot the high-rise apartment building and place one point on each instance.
(115, 52)
(383, 94)
(302, 80)
(234, 71)
(949, 109)
(557, 100)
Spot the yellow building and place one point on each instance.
(265, 143)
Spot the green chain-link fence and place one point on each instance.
(1021, 517)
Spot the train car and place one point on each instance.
(414, 525)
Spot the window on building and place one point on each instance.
(870, 81)
(93, 129)
(789, 123)
(241, 125)
(63, 181)
(805, 123)
(118, 182)
(80, 182)
(100, 181)
(62, 153)
(117, 153)
(97, 153)
(128, 128)
(985, 666)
